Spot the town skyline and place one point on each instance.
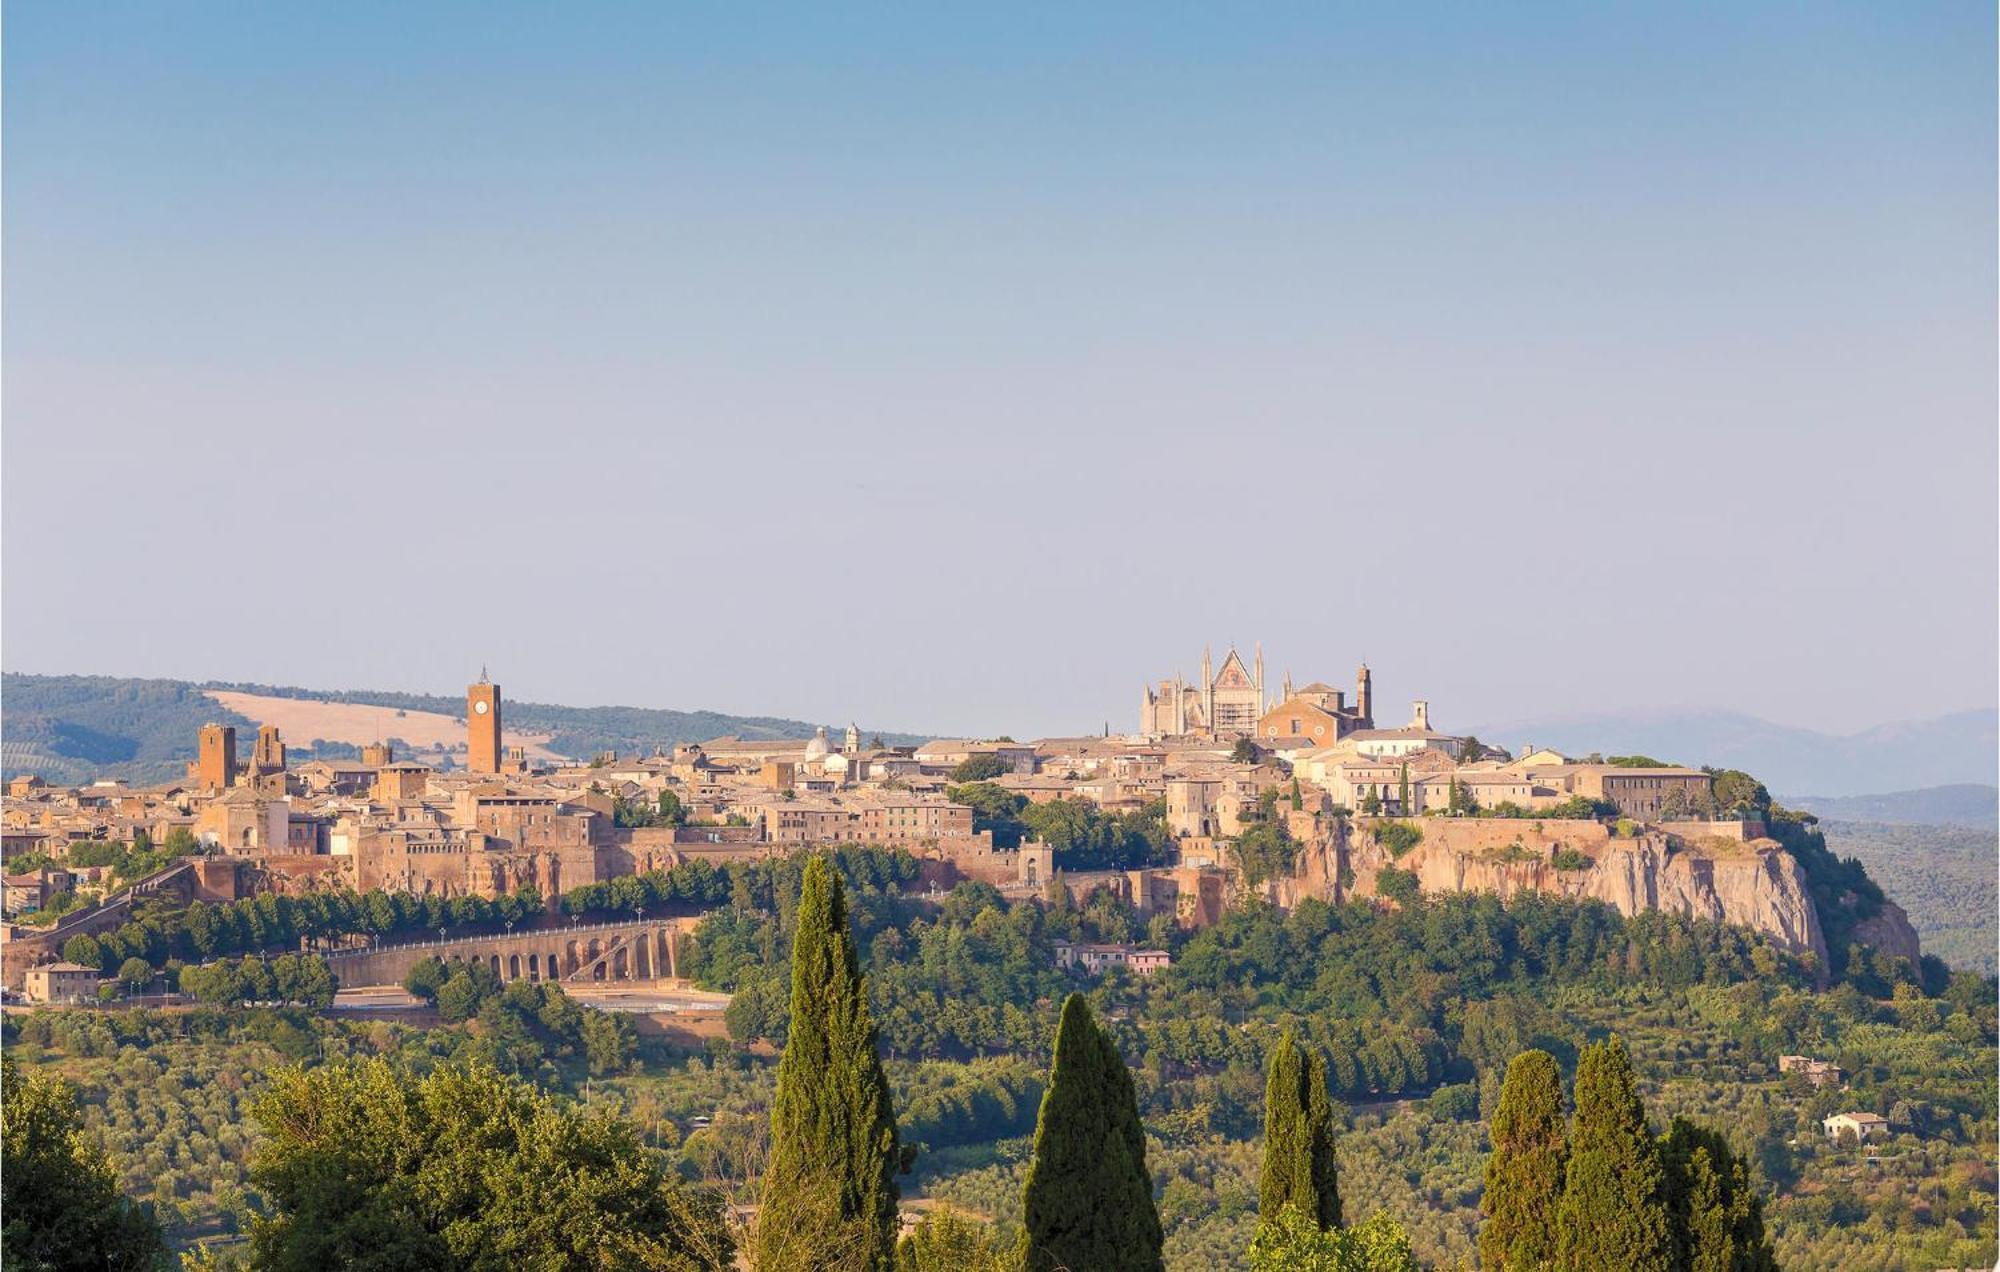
(1080, 722)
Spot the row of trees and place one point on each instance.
(1600, 1191)
(296, 979)
(830, 1193)
(523, 1023)
(272, 920)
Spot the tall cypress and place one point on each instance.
(1299, 1163)
(1712, 1205)
(1319, 1136)
(1524, 1176)
(829, 1190)
(1089, 1199)
(1613, 1212)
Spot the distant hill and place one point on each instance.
(1960, 748)
(1943, 876)
(1966, 804)
(73, 729)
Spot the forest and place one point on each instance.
(1943, 876)
(1416, 1011)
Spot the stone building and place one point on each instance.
(62, 983)
(1318, 715)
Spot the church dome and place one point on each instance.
(818, 746)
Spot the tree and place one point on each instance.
(85, 951)
(1244, 752)
(1715, 1212)
(946, 1241)
(1400, 886)
(59, 1197)
(1299, 1162)
(1524, 1176)
(135, 974)
(1613, 1212)
(671, 811)
(829, 1190)
(426, 977)
(1088, 1202)
(365, 1165)
(1292, 1242)
(983, 767)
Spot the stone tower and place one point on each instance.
(1364, 697)
(269, 757)
(482, 725)
(215, 766)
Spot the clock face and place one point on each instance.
(480, 707)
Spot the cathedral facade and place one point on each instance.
(1223, 703)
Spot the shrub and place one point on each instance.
(1571, 859)
(1399, 886)
(1458, 1102)
(1399, 837)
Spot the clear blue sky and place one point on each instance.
(959, 367)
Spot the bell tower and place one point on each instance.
(482, 725)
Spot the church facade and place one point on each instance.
(1224, 703)
(1229, 702)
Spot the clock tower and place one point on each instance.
(482, 723)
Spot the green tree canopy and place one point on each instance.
(1294, 1243)
(59, 1197)
(1613, 1212)
(983, 767)
(367, 1166)
(830, 1190)
(1524, 1176)
(946, 1241)
(1299, 1162)
(1089, 1199)
(1717, 1217)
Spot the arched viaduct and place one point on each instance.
(647, 949)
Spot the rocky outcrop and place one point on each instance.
(1889, 931)
(1756, 884)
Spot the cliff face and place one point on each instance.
(1756, 883)
(1889, 930)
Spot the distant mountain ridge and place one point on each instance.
(73, 729)
(1965, 804)
(1960, 748)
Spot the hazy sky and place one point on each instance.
(960, 367)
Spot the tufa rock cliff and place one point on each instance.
(1751, 882)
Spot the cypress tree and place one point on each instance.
(1089, 1200)
(1319, 1135)
(1716, 1215)
(1524, 1176)
(1613, 1212)
(1299, 1163)
(829, 1191)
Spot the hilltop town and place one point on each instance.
(1224, 787)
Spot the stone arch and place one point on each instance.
(514, 966)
